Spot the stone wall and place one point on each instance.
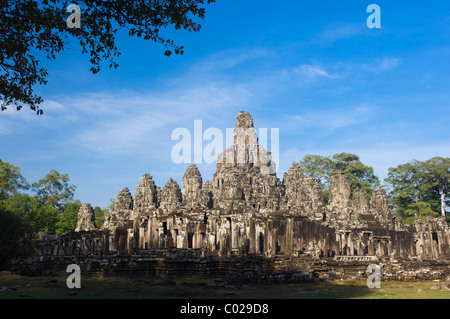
(247, 211)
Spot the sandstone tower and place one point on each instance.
(246, 209)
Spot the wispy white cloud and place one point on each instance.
(306, 74)
(13, 121)
(381, 65)
(141, 123)
(231, 58)
(309, 73)
(389, 63)
(126, 121)
(340, 30)
(332, 119)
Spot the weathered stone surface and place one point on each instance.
(339, 192)
(379, 207)
(86, 218)
(339, 203)
(123, 210)
(303, 194)
(246, 210)
(245, 174)
(192, 186)
(171, 195)
(207, 195)
(293, 181)
(124, 201)
(360, 202)
(146, 196)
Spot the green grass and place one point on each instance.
(54, 287)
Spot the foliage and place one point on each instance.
(438, 177)
(67, 222)
(30, 30)
(11, 181)
(359, 175)
(326, 196)
(52, 209)
(407, 184)
(54, 189)
(417, 188)
(110, 206)
(22, 205)
(418, 210)
(40, 216)
(100, 214)
(16, 237)
(318, 167)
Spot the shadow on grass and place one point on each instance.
(122, 287)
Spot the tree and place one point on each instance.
(22, 205)
(110, 206)
(418, 210)
(318, 167)
(100, 214)
(32, 29)
(418, 187)
(46, 216)
(16, 237)
(54, 189)
(438, 175)
(407, 184)
(40, 215)
(359, 175)
(67, 222)
(11, 181)
(52, 209)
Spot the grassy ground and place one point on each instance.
(17, 287)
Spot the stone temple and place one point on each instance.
(247, 211)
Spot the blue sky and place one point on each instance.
(313, 69)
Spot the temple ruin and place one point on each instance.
(245, 210)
